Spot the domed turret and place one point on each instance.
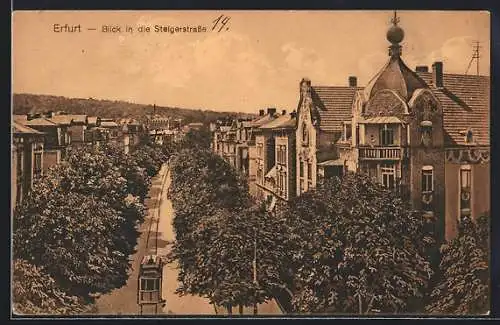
(395, 75)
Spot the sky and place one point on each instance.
(256, 60)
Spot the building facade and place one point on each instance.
(26, 160)
(424, 134)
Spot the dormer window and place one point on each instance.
(469, 137)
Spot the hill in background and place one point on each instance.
(31, 103)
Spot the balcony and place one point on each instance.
(375, 153)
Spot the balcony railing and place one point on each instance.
(380, 153)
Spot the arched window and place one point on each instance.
(426, 133)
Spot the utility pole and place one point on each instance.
(255, 271)
(475, 56)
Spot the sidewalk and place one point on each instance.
(175, 304)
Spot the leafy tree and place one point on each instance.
(464, 287)
(354, 247)
(216, 226)
(72, 236)
(197, 139)
(35, 292)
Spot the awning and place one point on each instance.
(381, 120)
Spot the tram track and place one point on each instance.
(156, 218)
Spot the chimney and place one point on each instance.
(353, 81)
(437, 74)
(422, 68)
(271, 111)
(283, 112)
(261, 112)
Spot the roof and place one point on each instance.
(333, 105)
(261, 120)
(41, 121)
(281, 122)
(61, 119)
(108, 124)
(92, 119)
(395, 75)
(466, 104)
(381, 120)
(20, 118)
(18, 128)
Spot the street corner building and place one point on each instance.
(423, 132)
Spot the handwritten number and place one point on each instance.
(220, 21)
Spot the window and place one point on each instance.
(386, 136)
(37, 169)
(427, 179)
(388, 175)
(465, 189)
(260, 150)
(347, 131)
(426, 131)
(260, 175)
(302, 186)
(309, 171)
(150, 289)
(301, 169)
(281, 154)
(305, 135)
(19, 164)
(150, 284)
(469, 138)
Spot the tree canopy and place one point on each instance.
(355, 247)
(464, 286)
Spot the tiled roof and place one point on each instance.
(261, 120)
(466, 104)
(18, 128)
(333, 105)
(281, 122)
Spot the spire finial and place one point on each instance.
(395, 19)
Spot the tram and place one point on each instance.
(149, 283)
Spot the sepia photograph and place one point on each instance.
(246, 164)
